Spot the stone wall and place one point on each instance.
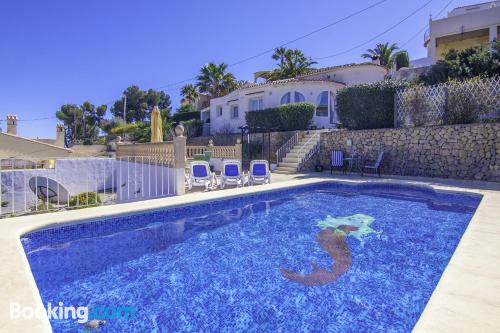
(458, 151)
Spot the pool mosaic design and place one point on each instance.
(328, 257)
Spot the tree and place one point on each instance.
(81, 122)
(189, 93)
(185, 108)
(291, 64)
(280, 54)
(465, 64)
(387, 55)
(214, 80)
(140, 103)
(401, 59)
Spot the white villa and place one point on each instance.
(466, 26)
(319, 87)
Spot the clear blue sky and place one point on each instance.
(59, 51)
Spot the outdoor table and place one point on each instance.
(354, 161)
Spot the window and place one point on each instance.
(322, 104)
(285, 99)
(256, 104)
(234, 111)
(297, 98)
(219, 111)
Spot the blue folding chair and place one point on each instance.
(337, 161)
(375, 166)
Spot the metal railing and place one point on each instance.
(306, 151)
(35, 186)
(286, 147)
(427, 36)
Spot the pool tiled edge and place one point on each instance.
(466, 298)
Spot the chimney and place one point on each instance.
(60, 134)
(376, 61)
(12, 124)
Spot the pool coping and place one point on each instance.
(466, 298)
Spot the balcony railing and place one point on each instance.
(427, 37)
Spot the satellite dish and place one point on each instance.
(49, 190)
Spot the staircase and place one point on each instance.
(296, 151)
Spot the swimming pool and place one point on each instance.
(327, 257)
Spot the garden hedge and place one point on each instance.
(288, 117)
(185, 116)
(368, 106)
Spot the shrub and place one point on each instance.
(124, 129)
(464, 64)
(368, 106)
(418, 107)
(464, 107)
(185, 116)
(288, 117)
(193, 128)
(81, 200)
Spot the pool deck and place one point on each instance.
(466, 299)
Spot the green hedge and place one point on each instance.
(288, 117)
(185, 116)
(368, 106)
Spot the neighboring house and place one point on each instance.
(14, 146)
(467, 26)
(319, 87)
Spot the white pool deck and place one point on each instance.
(466, 299)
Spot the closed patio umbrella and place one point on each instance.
(156, 125)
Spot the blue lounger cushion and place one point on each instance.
(231, 170)
(259, 169)
(200, 171)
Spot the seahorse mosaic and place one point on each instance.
(332, 239)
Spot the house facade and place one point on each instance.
(318, 87)
(14, 146)
(464, 27)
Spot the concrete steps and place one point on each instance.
(290, 163)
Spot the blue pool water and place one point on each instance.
(244, 265)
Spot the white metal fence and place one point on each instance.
(34, 186)
(475, 100)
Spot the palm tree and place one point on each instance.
(280, 54)
(292, 63)
(214, 80)
(384, 52)
(189, 93)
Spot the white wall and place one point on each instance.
(129, 180)
(138, 181)
(271, 95)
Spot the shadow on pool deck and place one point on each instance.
(468, 184)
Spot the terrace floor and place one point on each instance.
(466, 299)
